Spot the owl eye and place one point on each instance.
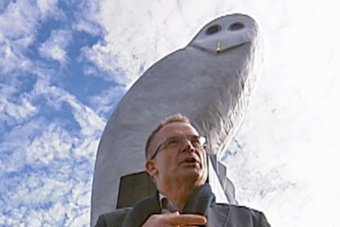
(236, 26)
(213, 29)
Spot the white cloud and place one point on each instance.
(291, 126)
(87, 20)
(18, 111)
(48, 8)
(18, 29)
(90, 123)
(105, 102)
(11, 53)
(45, 170)
(87, 119)
(14, 145)
(20, 18)
(54, 47)
(47, 202)
(103, 58)
(52, 175)
(140, 33)
(54, 143)
(136, 38)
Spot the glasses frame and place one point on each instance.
(186, 138)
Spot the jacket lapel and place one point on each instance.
(141, 211)
(218, 215)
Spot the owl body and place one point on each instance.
(209, 81)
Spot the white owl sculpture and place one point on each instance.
(210, 81)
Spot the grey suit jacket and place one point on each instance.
(218, 215)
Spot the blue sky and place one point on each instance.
(51, 111)
(65, 65)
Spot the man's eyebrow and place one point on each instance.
(191, 136)
(194, 136)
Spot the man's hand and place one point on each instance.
(175, 219)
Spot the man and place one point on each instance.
(177, 162)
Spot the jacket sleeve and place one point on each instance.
(113, 219)
(262, 221)
(101, 221)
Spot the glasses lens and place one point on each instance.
(177, 141)
(173, 142)
(197, 141)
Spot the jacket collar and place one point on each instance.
(218, 215)
(142, 210)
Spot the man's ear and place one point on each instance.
(151, 168)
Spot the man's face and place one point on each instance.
(179, 157)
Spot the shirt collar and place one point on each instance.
(165, 204)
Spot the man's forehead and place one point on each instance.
(177, 128)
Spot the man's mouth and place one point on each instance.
(191, 160)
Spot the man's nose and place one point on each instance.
(188, 146)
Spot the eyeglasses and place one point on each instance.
(178, 141)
